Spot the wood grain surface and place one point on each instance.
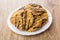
(53, 33)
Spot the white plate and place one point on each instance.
(14, 29)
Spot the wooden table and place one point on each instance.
(53, 33)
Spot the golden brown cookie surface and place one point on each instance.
(29, 18)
